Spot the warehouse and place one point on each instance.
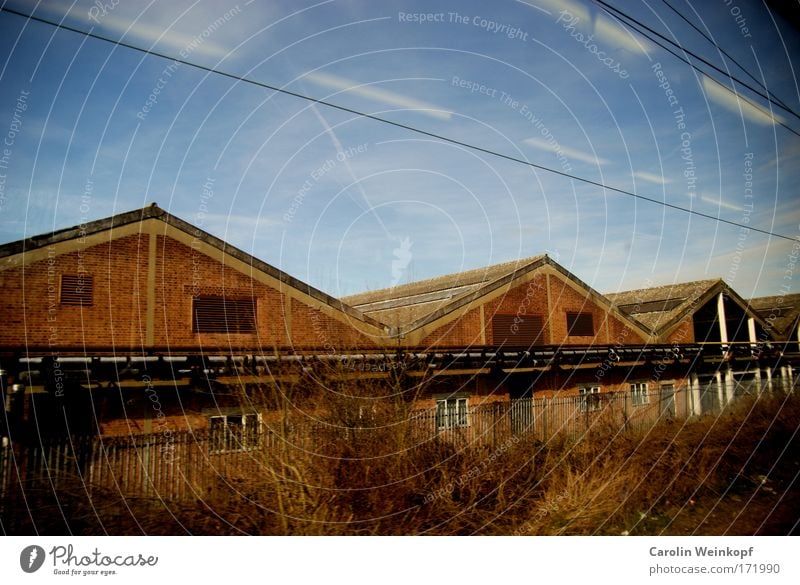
(142, 321)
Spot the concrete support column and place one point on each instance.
(694, 395)
(751, 332)
(723, 324)
(720, 388)
(729, 386)
(758, 381)
(768, 370)
(783, 381)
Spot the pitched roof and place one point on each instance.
(660, 306)
(417, 304)
(405, 304)
(154, 212)
(782, 310)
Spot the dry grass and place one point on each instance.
(733, 473)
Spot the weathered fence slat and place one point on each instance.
(183, 464)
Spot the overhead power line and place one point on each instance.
(626, 20)
(738, 95)
(690, 64)
(724, 52)
(395, 124)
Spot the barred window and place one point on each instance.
(517, 330)
(211, 314)
(76, 289)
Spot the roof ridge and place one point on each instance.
(671, 285)
(520, 262)
(153, 211)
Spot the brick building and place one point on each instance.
(146, 281)
(115, 315)
(141, 322)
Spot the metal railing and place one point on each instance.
(186, 464)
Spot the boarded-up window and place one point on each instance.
(223, 315)
(76, 289)
(517, 330)
(580, 324)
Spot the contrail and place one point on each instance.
(340, 148)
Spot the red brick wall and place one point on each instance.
(684, 333)
(118, 316)
(180, 270)
(564, 298)
(137, 424)
(33, 316)
(526, 299)
(531, 299)
(466, 330)
(618, 379)
(313, 328)
(620, 333)
(481, 389)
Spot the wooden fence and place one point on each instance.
(186, 464)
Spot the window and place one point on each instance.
(76, 289)
(590, 398)
(451, 413)
(639, 395)
(580, 324)
(223, 315)
(234, 432)
(517, 330)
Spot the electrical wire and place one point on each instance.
(398, 125)
(626, 17)
(724, 52)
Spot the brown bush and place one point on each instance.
(373, 476)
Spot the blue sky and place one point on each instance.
(349, 204)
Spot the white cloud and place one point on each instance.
(191, 30)
(573, 8)
(718, 201)
(605, 29)
(560, 149)
(376, 94)
(651, 177)
(172, 41)
(619, 36)
(731, 101)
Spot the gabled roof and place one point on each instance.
(782, 310)
(414, 305)
(660, 306)
(663, 307)
(402, 305)
(154, 212)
